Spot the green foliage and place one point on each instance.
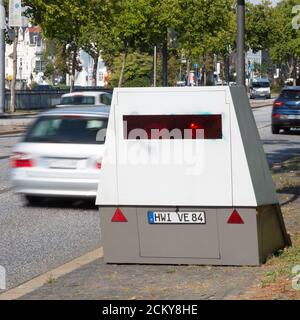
(137, 73)
(49, 70)
(264, 69)
(60, 20)
(114, 28)
(262, 25)
(287, 44)
(206, 26)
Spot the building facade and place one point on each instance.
(30, 65)
(84, 78)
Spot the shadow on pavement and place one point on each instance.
(64, 203)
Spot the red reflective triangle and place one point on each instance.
(235, 218)
(118, 216)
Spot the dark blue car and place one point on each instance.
(286, 110)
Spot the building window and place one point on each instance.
(40, 66)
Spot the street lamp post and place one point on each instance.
(240, 42)
(2, 56)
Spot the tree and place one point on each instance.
(14, 75)
(133, 25)
(286, 50)
(62, 21)
(206, 28)
(137, 73)
(96, 30)
(262, 26)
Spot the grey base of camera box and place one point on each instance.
(216, 242)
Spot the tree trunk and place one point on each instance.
(165, 58)
(95, 69)
(188, 70)
(295, 71)
(290, 65)
(227, 68)
(12, 108)
(74, 62)
(205, 71)
(122, 69)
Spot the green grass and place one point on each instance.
(286, 176)
(51, 280)
(281, 264)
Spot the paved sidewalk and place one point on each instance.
(260, 103)
(15, 124)
(99, 281)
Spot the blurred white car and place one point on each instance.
(59, 155)
(88, 98)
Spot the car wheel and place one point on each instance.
(33, 200)
(275, 129)
(287, 130)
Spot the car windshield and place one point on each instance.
(77, 100)
(67, 129)
(290, 94)
(261, 85)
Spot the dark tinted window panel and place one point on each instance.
(66, 129)
(291, 94)
(77, 100)
(188, 127)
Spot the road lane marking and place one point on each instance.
(41, 280)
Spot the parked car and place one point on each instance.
(59, 155)
(260, 88)
(286, 110)
(85, 99)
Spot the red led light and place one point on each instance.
(195, 126)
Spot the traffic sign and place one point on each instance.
(15, 13)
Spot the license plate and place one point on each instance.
(156, 217)
(63, 164)
(294, 116)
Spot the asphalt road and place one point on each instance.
(277, 147)
(34, 240)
